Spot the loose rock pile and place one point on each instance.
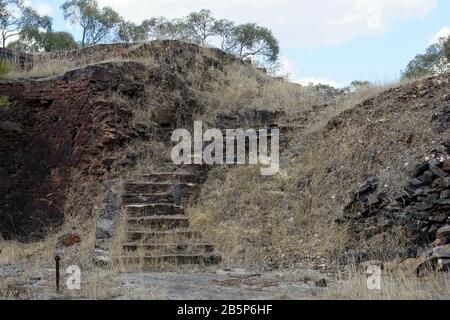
(423, 209)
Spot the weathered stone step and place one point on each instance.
(171, 248)
(159, 222)
(172, 235)
(156, 209)
(208, 259)
(170, 167)
(134, 187)
(130, 199)
(169, 177)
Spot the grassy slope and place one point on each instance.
(282, 221)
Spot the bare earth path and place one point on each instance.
(195, 285)
(211, 286)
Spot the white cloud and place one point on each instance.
(41, 7)
(44, 8)
(297, 23)
(12, 39)
(443, 33)
(290, 69)
(313, 80)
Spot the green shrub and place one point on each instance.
(4, 102)
(5, 68)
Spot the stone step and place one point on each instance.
(170, 167)
(208, 259)
(159, 223)
(169, 177)
(156, 209)
(176, 235)
(130, 199)
(134, 187)
(171, 248)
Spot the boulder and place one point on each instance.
(419, 169)
(443, 234)
(424, 191)
(438, 172)
(442, 252)
(427, 178)
(446, 166)
(443, 265)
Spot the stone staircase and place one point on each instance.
(158, 230)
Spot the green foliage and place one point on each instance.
(245, 41)
(357, 85)
(251, 40)
(432, 62)
(4, 102)
(199, 26)
(131, 32)
(16, 19)
(5, 68)
(446, 47)
(162, 28)
(98, 24)
(58, 41)
(36, 41)
(224, 29)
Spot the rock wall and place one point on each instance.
(58, 133)
(421, 212)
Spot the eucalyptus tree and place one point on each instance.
(97, 24)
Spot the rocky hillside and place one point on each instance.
(355, 167)
(339, 197)
(81, 118)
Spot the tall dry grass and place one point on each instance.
(395, 285)
(288, 218)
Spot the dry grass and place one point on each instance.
(395, 285)
(249, 217)
(266, 221)
(44, 68)
(279, 220)
(240, 87)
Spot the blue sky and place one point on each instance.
(329, 41)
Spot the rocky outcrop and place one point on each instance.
(422, 209)
(58, 133)
(252, 119)
(65, 132)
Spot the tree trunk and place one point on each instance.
(84, 38)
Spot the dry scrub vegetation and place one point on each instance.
(256, 221)
(395, 285)
(288, 218)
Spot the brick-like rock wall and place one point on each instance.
(57, 133)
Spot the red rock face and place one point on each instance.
(57, 133)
